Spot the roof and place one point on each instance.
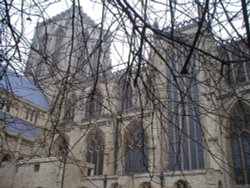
(16, 125)
(22, 87)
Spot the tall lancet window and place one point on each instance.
(69, 109)
(58, 45)
(136, 151)
(42, 50)
(60, 147)
(95, 151)
(185, 145)
(94, 105)
(237, 72)
(127, 95)
(240, 143)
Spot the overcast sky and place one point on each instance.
(94, 11)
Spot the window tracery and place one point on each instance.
(237, 71)
(69, 109)
(60, 35)
(42, 50)
(94, 105)
(182, 184)
(185, 145)
(95, 151)
(61, 146)
(136, 152)
(127, 100)
(240, 143)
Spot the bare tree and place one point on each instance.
(178, 105)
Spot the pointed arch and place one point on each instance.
(182, 184)
(145, 184)
(136, 149)
(185, 136)
(126, 94)
(69, 109)
(58, 44)
(94, 104)
(5, 158)
(240, 108)
(95, 150)
(60, 146)
(220, 184)
(240, 142)
(115, 185)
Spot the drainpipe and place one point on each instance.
(161, 179)
(63, 173)
(116, 150)
(105, 181)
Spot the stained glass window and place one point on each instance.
(127, 100)
(94, 105)
(240, 144)
(185, 148)
(238, 70)
(136, 156)
(61, 145)
(60, 35)
(69, 110)
(95, 152)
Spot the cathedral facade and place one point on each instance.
(175, 119)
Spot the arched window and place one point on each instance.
(69, 110)
(182, 184)
(127, 96)
(43, 53)
(185, 142)
(94, 105)
(145, 185)
(61, 146)
(114, 185)
(95, 151)
(60, 35)
(4, 158)
(237, 72)
(136, 153)
(220, 184)
(240, 143)
(43, 40)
